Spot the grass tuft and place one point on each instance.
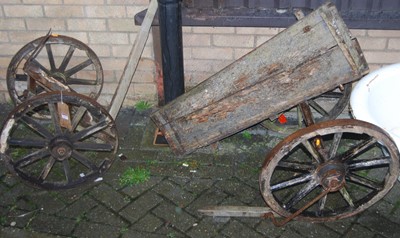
(246, 135)
(132, 176)
(142, 106)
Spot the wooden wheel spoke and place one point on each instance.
(365, 182)
(67, 171)
(93, 146)
(78, 117)
(361, 147)
(299, 117)
(67, 58)
(335, 145)
(38, 64)
(321, 204)
(345, 194)
(318, 108)
(313, 151)
(295, 166)
(291, 182)
(84, 160)
(37, 127)
(78, 68)
(369, 163)
(46, 170)
(54, 118)
(308, 188)
(23, 142)
(79, 81)
(90, 130)
(32, 158)
(51, 57)
(332, 94)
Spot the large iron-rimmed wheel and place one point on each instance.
(327, 106)
(64, 58)
(357, 162)
(76, 142)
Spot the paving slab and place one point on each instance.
(238, 229)
(149, 223)
(313, 230)
(9, 232)
(358, 231)
(174, 192)
(80, 208)
(89, 229)
(141, 206)
(51, 224)
(175, 216)
(103, 215)
(109, 197)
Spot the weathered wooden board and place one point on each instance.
(311, 57)
(133, 60)
(236, 211)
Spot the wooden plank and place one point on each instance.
(133, 61)
(236, 211)
(301, 62)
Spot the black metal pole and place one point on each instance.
(170, 20)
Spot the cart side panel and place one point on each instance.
(301, 62)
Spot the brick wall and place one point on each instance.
(107, 27)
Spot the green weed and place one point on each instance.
(133, 176)
(123, 230)
(246, 135)
(171, 235)
(395, 207)
(142, 106)
(81, 217)
(3, 220)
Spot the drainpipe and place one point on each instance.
(170, 20)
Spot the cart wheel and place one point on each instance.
(65, 59)
(356, 162)
(327, 106)
(75, 143)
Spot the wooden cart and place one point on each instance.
(313, 56)
(326, 171)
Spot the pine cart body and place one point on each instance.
(313, 56)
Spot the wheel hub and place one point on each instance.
(60, 148)
(59, 76)
(331, 176)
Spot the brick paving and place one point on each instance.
(166, 205)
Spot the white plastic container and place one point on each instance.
(376, 99)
